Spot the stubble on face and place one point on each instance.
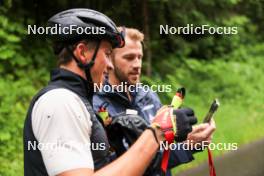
(126, 67)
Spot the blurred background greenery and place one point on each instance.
(229, 67)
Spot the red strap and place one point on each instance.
(211, 163)
(164, 120)
(165, 160)
(169, 136)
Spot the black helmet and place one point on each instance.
(85, 18)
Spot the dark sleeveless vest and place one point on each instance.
(61, 78)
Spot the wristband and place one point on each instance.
(154, 133)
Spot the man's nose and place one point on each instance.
(137, 63)
(109, 65)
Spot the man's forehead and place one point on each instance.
(132, 43)
(131, 46)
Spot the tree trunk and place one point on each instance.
(147, 37)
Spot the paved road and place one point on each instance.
(246, 161)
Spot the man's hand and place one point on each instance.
(185, 118)
(202, 133)
(174, 124)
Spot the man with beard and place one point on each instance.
(127, 62)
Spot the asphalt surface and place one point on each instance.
(248, 160)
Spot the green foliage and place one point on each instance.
(229, 67)
(17, 85)
(236, 80)
(14, 101)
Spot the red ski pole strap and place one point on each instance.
(211, 163)
(167, 123)
(169, 136)
(165, 160)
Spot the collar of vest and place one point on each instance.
(72, 81)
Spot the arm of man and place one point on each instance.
(179, 156)
(62, 124)
(63, 119)
(140, 154)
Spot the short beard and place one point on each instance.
(120, 75)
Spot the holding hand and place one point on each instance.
(202, 133)
(174, 124)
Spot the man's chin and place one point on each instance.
(133, 82)
(133, 78)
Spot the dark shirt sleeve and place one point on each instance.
(156, 101)
(179, 156)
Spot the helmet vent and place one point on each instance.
(66, 13)
(92, 21)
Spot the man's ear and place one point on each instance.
(82, 53)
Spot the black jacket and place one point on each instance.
(146, 103)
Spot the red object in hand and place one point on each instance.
(164, 119)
